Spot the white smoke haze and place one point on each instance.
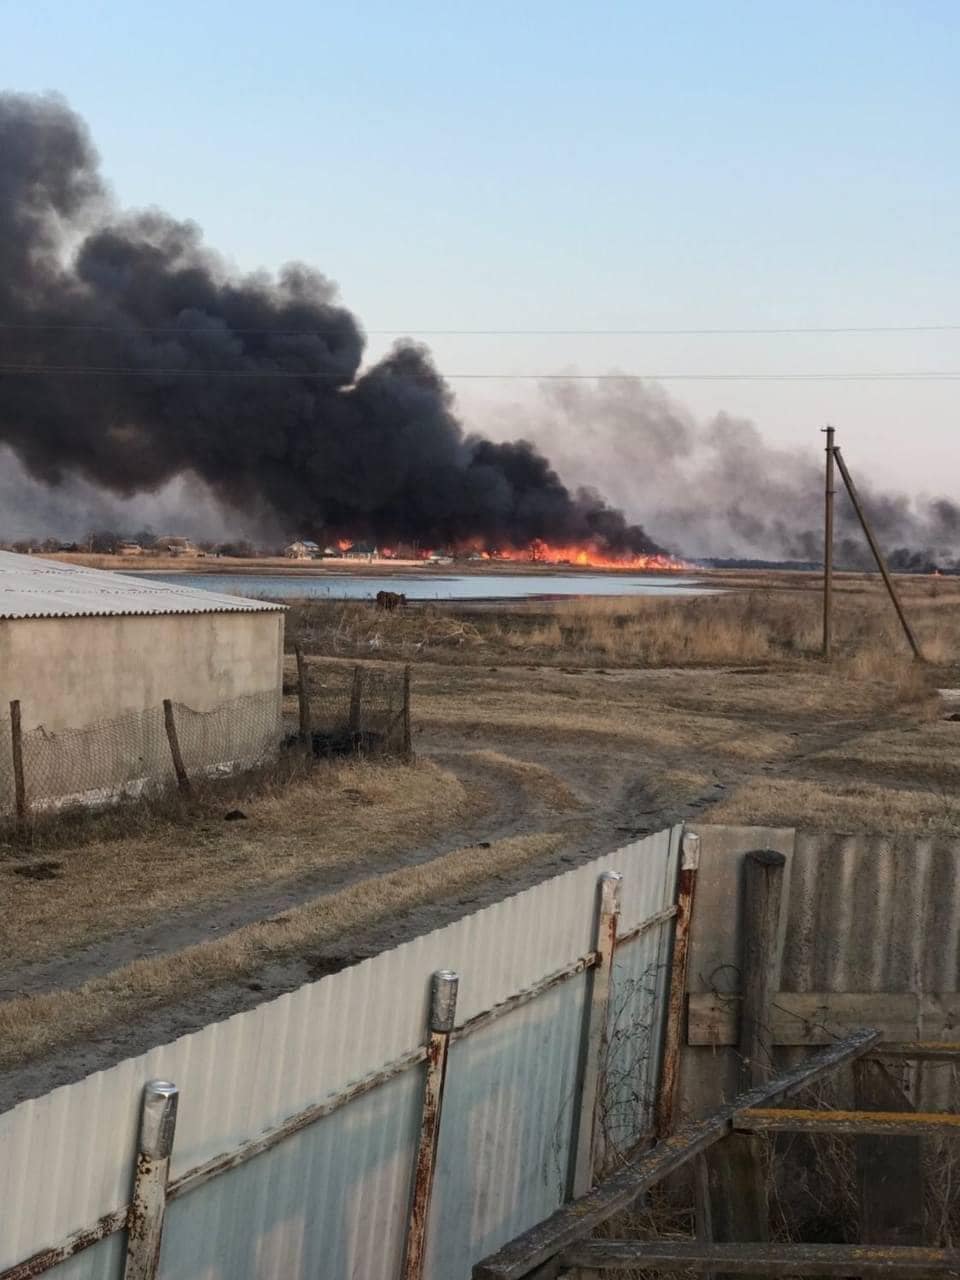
(30, 509)
(716, 488)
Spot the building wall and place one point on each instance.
(91, 692)
(72, 672)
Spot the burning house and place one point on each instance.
(89, 658)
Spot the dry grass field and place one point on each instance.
(543, 732)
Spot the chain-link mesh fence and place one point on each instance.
(123, 757)
(363, 710)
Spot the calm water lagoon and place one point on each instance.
(434, 586)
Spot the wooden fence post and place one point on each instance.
(443, 1011)
(589, 1120)
(673, 1037)
(356, 700)
(16, 744)
(407, 738)
(183, 782)
(740, 1209)
(158, 1121)
(303, 695)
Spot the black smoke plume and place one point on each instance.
(250, 383)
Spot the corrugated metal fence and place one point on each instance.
(334, 1069)
(869, 935)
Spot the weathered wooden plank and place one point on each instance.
(887, 1123)
(762, 894)
(920, 1050)
(519, 1259)
(814, 1018)
(890, 1173)
(770, 1259)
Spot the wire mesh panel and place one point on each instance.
(121, 758)
(234, 736)
(361, 709)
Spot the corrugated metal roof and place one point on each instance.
(35, 588)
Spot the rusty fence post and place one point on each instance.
(170, 724)
(158, 1121)
(443, 1011)
(589, 1119)
(16, 745)
(676, 1006)
(303, 695)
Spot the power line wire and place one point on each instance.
(433, 333)
(931, 375)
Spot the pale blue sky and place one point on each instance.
(551, 165)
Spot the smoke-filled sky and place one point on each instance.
(490, 167)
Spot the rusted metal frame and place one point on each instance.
(524, 1257)
(158, 1122)
(303, 695)
(197, 1177)
(829, 491)
(16, 748)
(517, 1001)
(801, 1120)
(170, 724)
(39, 1263)
(194, 1178)
(443, 1009)
(673, 1035)
(588, 1120)
(877, 555)
(765, 1259)
(651, 922)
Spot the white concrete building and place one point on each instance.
(91, 656)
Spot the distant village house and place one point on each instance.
(302, 550)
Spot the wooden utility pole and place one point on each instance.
(877, 555)
(828, 548)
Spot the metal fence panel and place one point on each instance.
(507, 1131)
(332, 1199)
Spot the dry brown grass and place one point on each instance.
(336, 814)
(37, 1024)
(839, 806)
(535, 780)
(769, 624)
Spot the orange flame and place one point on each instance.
(581, 555)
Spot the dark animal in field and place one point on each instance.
(391, 600)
